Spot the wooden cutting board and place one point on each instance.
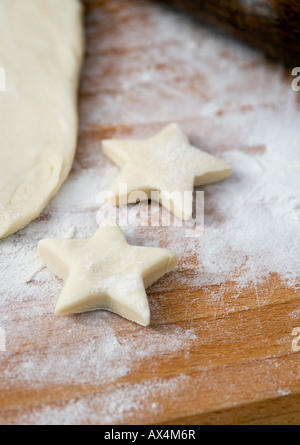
(207, 358)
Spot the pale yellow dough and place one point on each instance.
(41, 52)
(105, 272)
(166, 163)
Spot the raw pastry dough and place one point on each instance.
(41, 51)
(105, 272)
(166, 163)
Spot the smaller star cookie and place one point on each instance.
(167, 164)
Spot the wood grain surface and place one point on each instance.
(208, 358)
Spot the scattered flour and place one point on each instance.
(296, 314)
(112, 406)
(284, 392)
(100, 356)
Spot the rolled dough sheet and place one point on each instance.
(41, 52)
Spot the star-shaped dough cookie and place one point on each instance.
(167, 164)
(105, 272)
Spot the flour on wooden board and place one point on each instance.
(111, 405)
(232, 104)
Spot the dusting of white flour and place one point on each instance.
(229, 101)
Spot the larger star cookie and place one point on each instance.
(167, 164)
(105, 272)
